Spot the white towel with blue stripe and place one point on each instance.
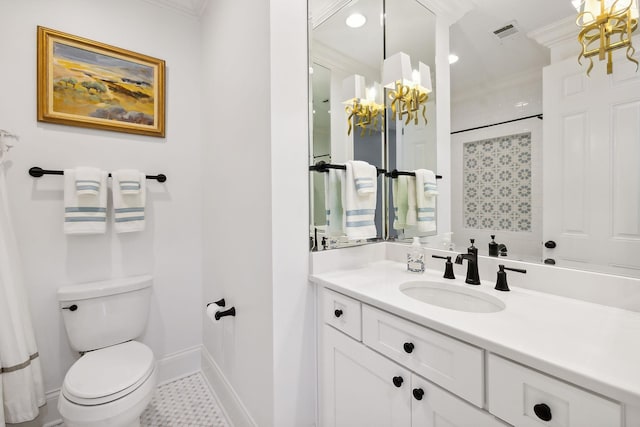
(128, 207)
(426, 192)
(129, 181)
(359, 200)
(87, 181)
(333, 202)
(86, 212)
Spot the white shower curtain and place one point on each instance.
(21, 387)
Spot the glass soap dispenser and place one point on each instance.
(415, 257)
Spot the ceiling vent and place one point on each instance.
(507, 31)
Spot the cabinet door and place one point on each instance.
(358, 388)
(434, 407)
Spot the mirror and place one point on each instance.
(337, 53)
(503, 182)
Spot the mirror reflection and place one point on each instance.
(347, 53)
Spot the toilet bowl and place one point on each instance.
(109, 387)
(113, 381)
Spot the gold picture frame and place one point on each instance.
(90, 84)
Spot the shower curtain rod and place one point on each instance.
(538, 116)
(37, 172)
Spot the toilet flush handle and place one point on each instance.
(71, 308)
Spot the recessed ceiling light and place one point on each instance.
(356, 20)
(453, 58)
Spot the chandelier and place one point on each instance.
(606, 25)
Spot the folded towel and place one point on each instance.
(426, 200)
(129, 181)
(87, 181)
(428, 179)
(128, 209)
(359, 208)
(400, 201)
(365, 177)
(412, 213)
(86, 213)
(333, 202)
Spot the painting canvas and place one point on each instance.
(91, 84)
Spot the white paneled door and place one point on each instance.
(591, 161)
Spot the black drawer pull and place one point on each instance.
(338, 313)
(71, 308)
(408, 347)
(397, 381)
(543, 411)
(550, 244)
(418, 393)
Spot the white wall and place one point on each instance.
(255, 235)
(170, 247)
(237, 231)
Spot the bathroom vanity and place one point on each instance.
(405, 349)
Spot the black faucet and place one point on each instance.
(473, 277)
(501, 281)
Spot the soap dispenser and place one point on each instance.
(493, 246)
(415, 257)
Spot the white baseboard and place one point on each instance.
(179, 364)
(170, 368)
(235, 411)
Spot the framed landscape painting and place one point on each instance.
(90, 84)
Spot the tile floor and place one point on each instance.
(186, 402)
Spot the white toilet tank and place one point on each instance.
(100, 314)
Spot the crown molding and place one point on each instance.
(451, 10)
(555, 33)
(193, 8)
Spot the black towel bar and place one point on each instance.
(37, 172)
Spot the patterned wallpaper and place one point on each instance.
(497, 183)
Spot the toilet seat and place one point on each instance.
(108, 374)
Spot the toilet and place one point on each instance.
(114, 379)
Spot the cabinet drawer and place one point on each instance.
(452, 364)
(516, 393)
(343, 313)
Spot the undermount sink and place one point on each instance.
(452, 297)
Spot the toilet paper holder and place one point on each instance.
(219, 303)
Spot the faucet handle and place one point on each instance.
(448, 266)
(501, 281)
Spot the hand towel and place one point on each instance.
(428, 179)
(365, 177)
(426, 200)
(400, 201)
(87, 181)
(412, 212)
(84, 213)
(359, 208)
(333, 202)
(129, 181)
(128, 209)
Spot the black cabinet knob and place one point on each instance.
(408, 347)
(71, 308)
(397, 381)
(550, 261)
(418, 393)
(338, 313)
(543, 411)
(550, 244)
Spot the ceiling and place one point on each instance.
(486, 60)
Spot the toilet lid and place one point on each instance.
(107, 374)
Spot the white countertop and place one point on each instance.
(590, 345)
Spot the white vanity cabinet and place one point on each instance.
(361, 387)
